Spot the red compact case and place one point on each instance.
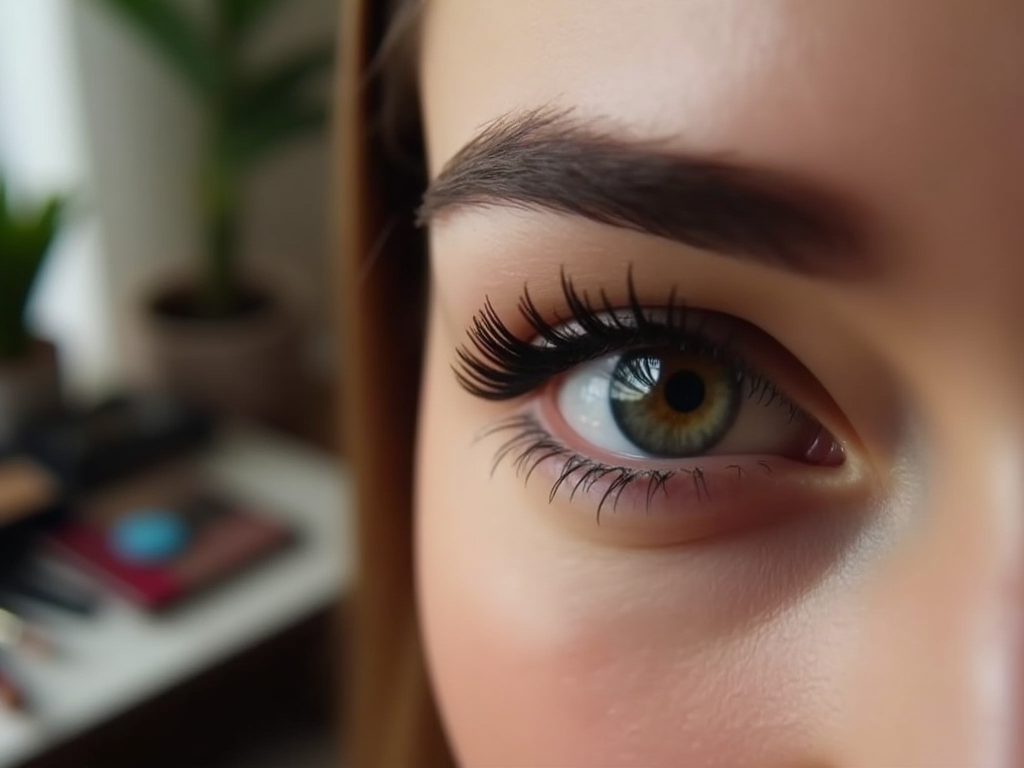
(225, 536)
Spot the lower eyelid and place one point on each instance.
(670, 503)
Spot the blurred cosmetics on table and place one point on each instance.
(25, 488)
(104, 504)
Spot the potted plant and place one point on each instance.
(219, 338)
(29, 379)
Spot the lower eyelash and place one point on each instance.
(530, 445)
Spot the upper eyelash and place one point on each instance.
(502, 366)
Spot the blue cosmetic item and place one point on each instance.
(149, 536)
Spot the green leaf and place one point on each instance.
(282, 85)
(25, 240)
(241, 16)
(251, 142)
(176, 37)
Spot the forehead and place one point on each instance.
(724, 74)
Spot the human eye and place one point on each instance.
(660, 408)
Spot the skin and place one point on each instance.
(873, 622)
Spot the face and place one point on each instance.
(721, 446)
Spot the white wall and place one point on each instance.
(144, 135)
(42, 151)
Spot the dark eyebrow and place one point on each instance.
(549, 159)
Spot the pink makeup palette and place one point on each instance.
(166, 536)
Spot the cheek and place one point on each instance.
(548, 650)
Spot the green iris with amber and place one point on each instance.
(673, 404)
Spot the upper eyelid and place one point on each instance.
(500, 365)
(488, 369)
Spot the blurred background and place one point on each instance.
(174, 513)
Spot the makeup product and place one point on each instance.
(162, 538)
(150, 536)
(60, 592)
(18, 634)
(117, 439)
(26, 488)
(30, 502)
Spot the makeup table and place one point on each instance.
(123, 657)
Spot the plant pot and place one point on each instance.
(29, 388)
(245, 364)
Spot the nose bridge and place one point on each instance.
(939, 677)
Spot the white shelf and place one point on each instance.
(123, 657)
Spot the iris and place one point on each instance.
(673, 404)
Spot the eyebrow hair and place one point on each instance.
(550, 159)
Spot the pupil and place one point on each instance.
(684, 391)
